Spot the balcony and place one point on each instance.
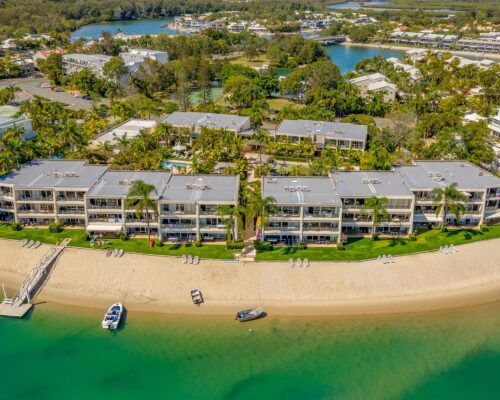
(35, 211)
(106, 220)
(70, 198)
(178, 212)
(178, 226)
(320, 215)
(73, 212)
(212, 227)
(105, 207)
(35, 198)
(320, 228)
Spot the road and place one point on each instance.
(32, 86)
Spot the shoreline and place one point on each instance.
(413, 284)
(463, 53)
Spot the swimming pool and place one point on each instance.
(177, 164)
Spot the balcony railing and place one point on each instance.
(21, 211)
(69, 198)
(75, 212)
(174, 212)
(321, 215)
(105, 207)
(320, 228)
(178, 226)
(35, 198)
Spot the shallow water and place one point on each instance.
(61, 353)
(346, 57)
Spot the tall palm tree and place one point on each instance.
(233, 220)
(8, 94)
(139, 197)
(260, 207)
(376, 207)
(449, 199)
(261, 136)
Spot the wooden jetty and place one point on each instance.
(22, 301)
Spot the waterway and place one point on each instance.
(62, 353)
(374, 6)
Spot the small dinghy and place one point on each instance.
(196, 296)
(112, 317)
(248, 315)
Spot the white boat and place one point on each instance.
(112, 318)
(247, 315)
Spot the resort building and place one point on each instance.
(338, 135)
(400, 66)
(140, 55)
(481, 44)
(494, 126)
(481, 188)
(308, 209)
(195, 121)
(128, 130)
(46, 191)
(423, 38)
(189, 207)
(355, 187)
(16, 122)
(374, 83)
(109, 211)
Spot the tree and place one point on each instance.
(8, 94)
(260, 207)
(376, 207)
(233, 221)
(449, 199)
(115, 69)
(241, 91)
(52, 67)
(139, 197)
(261, 136)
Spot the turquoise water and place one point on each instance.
(62, 353)
(346, 57)
(133, 27)
(369, 5)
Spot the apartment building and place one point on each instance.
(140, 55)
(482, 44)
(323, 134)
(128, 130)
(412, 71)
(375, 83)
(109, 211)
(355, 187)
(195, 121)
(494, 126)
(21, 122)
(189, 206)
(46, 191)
(481, 188)
(423, 38)
(308, 209)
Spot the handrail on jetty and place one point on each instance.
(22, 301)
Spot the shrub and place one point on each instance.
(467, 236)
(158, 243)
(484, 228)
(235, 245)
(301, 246)
(262, 245)
(123, 236)
(375, 236)
(340, 246)
(444, 229)
(55, 227)
(85, 237)
(16, 227)
(197, 243)
(412, 237)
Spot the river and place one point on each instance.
(62, 353)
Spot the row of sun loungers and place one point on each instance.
(298, 262)
(115, 253)
(385, 259)
(447, 249)
(30, 244)
(190, 259)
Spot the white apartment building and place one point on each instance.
(494, 126)
(308, 209)
(374, 83)
(128, 130)
(339, 135)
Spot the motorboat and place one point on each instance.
(248, 315)
(112, 317)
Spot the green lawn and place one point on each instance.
(131, 245)
(365, 248)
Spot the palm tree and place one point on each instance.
(376, 207)
(260, 207)
(139, 198)
(233, 220)
(8, 94)
(261, 136)
(449, 199)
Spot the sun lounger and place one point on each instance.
(115, 252)
(184, 259)
(30, 244)
(379, 258)
(452, 248)
(37, 245)
(299, 262)
(24, 242)
(441, 249)
(306, 262)
(190, 259)
(196, 260)
(291, 263)
(390, 259)
(108, 253)
(120, 253)
(384, 259)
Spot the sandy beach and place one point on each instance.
(473, 54)
(413, 283)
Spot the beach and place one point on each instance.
(413, 283)
(473, 54)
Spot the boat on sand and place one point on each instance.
(112, 318)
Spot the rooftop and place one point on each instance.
(130, 129)
(202, 189)
(332, 130)
(439, 174)
(229, 122)
(118, 183)
(54, 174)
(300, 190)
(369, 184)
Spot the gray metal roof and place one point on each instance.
(300, 190)
(118, 183)
(39, 174)
(229, 122)
(130, 129)
(439, 174)
(369, 183)
(332, 130)
(202, 189)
